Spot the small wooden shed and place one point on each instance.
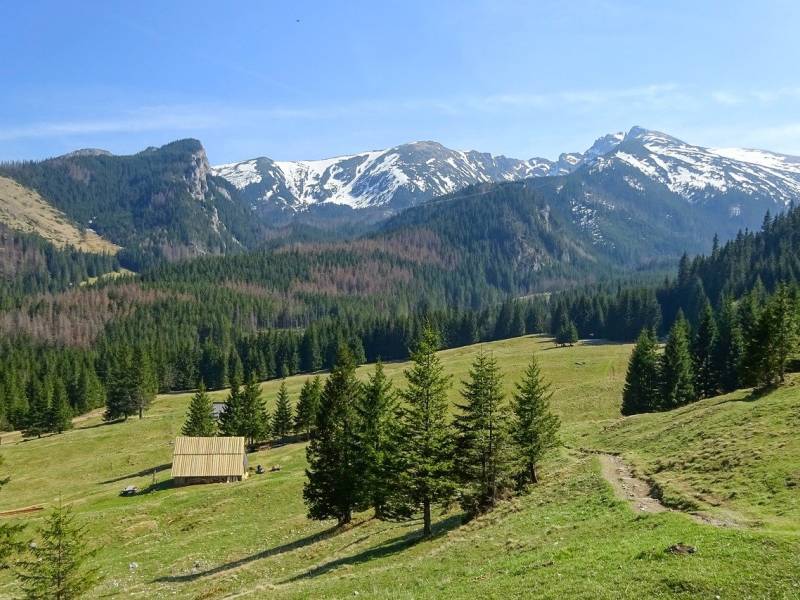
(208, 460)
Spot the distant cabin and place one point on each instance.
(208, 460)
(217, 408)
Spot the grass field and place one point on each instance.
(569, 537)
(25, 210)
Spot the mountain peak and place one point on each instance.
(86, 152)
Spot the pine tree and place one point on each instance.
(40, 393)
(235, 369)
(425, 455)
(677, 376)
(483, 461)
(307, 406)
(232, 416)
(120, 397)
(55, 567)
(728, 347)
(253, 419)
(59, 417)
(706, 377)
(642, 391)
(376, 408)
(773, 339)
(534, 428)
(200, 417)
(567, 333)
(749, 312)
(334, 486)
(144, 384)
(88, 391)
(311, 356)
(282, 419)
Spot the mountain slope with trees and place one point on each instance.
(160, 203)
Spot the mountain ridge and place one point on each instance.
(410, 174)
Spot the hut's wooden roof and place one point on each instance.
(208, 457)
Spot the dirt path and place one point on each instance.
(638, 492)
(627, 486)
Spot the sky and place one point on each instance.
(306, 80)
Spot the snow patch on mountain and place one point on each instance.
(410, 174)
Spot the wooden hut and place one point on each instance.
(208, 460)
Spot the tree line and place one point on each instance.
(745, 343)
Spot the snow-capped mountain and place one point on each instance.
(394, 179)
(700, 174)
(410, 174)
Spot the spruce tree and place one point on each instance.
(773, 339)
(311, 356)
(483, 460)
(749, 312)
(88, 391)
(642, 391)
(120, 397)
(235, 369)
(334, 486)
(282, 419)
(144, 383)
(728, 347)
(307, 406)
(230, 420)
(40, 393)
(200, 417)
(55, 567)
(254, 420)
(376, 409)
(534, 428)
(425, 456)
(706, 377)
(677, 375)
(567, 333)
(59, 417)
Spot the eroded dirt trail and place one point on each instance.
(627, 486)
(638, 492)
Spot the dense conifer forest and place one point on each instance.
(288, 309)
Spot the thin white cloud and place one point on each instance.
(157, 118)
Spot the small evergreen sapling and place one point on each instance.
(534, 427)
(55, 567)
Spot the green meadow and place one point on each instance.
(735, 458)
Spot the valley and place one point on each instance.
(252, 538)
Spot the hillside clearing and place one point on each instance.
(25, 210)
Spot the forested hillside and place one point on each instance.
(484, 264)
(159, 203)
(31, 265)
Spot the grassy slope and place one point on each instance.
(25, 210)
(568, 538)
(735, 456)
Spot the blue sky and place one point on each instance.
(302, 79)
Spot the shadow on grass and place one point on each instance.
(295, 545)
(157, 487)
(142, 473)
(387, 548)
